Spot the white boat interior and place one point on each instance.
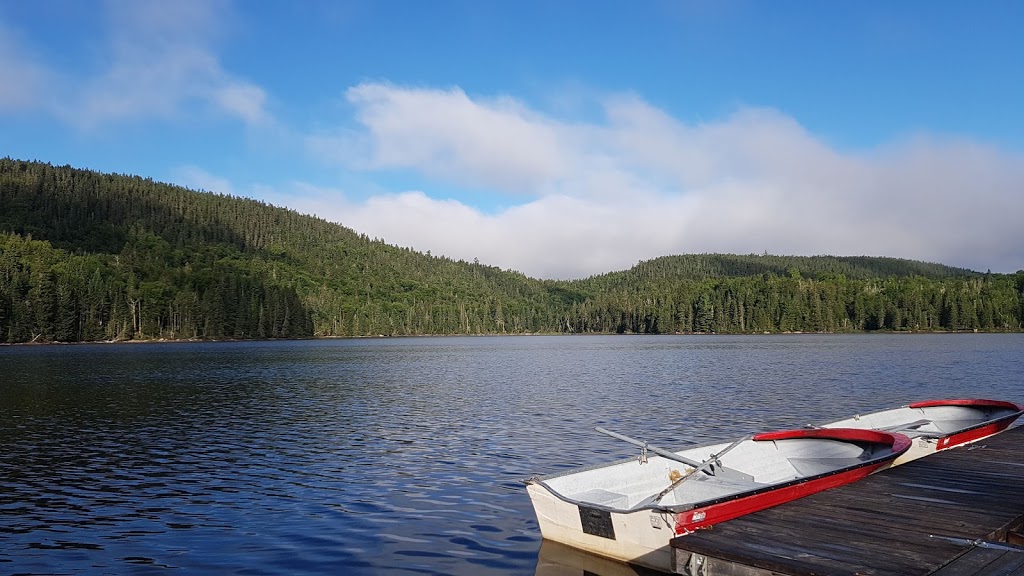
(928, 421)
(752, 465)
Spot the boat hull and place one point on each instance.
(707, 516)
(640, 537)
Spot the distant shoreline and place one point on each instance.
(524, 334)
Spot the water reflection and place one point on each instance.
(558, 560)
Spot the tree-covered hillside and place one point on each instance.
(90, 256)
(704, 266)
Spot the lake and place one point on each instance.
(390, 456)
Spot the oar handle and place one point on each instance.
(622, 437)
(655, 449)
(702, 466)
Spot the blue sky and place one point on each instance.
(560, 139)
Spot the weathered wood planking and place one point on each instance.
(915, 519)
(980, 561)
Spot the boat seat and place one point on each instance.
(904, 427)
(602, 498)
(812, 466)
(707, 488)
(951, 426)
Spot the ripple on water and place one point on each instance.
(394, 456)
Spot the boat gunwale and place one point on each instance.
(967, 402)
(900, 443)
(843, 434)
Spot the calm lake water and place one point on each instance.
(392, 456)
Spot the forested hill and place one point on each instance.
(91, 256)
(100, 256)
(704, 266)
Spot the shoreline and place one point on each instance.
(524, 334)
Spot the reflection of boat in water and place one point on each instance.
(938, 424)
(557, 559)
(630, 510)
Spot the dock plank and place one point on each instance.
(915, 519)
(981, 561)
(798, 551)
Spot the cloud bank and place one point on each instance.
(591, 197)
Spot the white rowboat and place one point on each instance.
(630, 510)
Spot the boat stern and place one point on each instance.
(640, 537)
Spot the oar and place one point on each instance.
(979, 543)
(714, 457)
(715, 471)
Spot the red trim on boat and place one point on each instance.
(713, 513)
(842, 434)
(709, 515)
(968, 402)
(979, 432)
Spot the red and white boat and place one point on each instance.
(938, 424)
(630, 510)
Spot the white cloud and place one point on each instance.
(24, 80)
(160, 62)
(599, 196)
(498, 143)
(243, 100)
(196, 178)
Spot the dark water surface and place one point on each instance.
(395, 455)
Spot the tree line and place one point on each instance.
(87, 256)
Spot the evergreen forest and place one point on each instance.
(89, 256)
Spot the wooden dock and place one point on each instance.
(954, 513)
